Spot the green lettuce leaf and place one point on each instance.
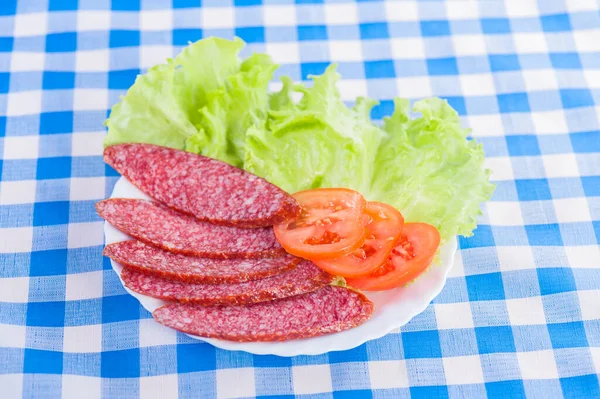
(210, 102)
(319, 142)
(428, 169)
(162, 105)
(242, 102)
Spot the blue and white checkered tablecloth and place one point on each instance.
(520, 313)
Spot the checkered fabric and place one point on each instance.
(520, 313)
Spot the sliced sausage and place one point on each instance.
(158, 225)
(206, 188)
(327, 310)
(306, 277)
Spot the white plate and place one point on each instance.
(393, 308)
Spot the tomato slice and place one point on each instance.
(329, 226)
(383, 225)
(410, 257)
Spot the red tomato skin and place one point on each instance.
(425, 240)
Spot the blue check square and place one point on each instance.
(189, 354)
(124, 38)
(442, 66)
(120, 363)
(493, 26)
(556, 23)
(374, 31)
(181, 37)
(312, 32)
(585, 386)
(485, 287)
(46, 314)
(53, 168)
(421, 344)
(435, 28)
(556, 280)
(495, 339)
(505, 389)
(61, 42)
(38, 361)
(51, 213)
(252, 34)
(567, 335)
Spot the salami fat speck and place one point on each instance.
(306, 277)
(206, 188)
(151, 260)
(158, 225)
(327, 310)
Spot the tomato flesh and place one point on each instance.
(413, 253)
(329, 225)
(383, 225)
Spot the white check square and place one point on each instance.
(520, 8)
(24, 61)
(501, 167)
(74, 387)
(24, 103)
(235, 383)
(345, 50)
(341, 14)
(585, 256)
(416, 87)
(279, 15)
(477, 85)
(159, 386)
(154, 334)
(92, 20)
(589, 303)
(587, 40)
(311, 379)
(464, 9)
(526, 311)
(515, 258)
(530, 42)
(536, 365)
(465, 45)
(153, 55)
(92, 61)
(21, 147)
(560, 165)
(572, 210)
(17, 192)
(87, 144)
(453, 315)
(14, 289)
(352, 88)
(86, 234)
(90, 100)
(408, 48)
(463, 370)
(86, 338)
(87, 188)
(505, 213)
(16, 239)
(284, 53)
(30, 24)
(388, 374)
(84, 285)
(550, 122)
(401, 11)
(12, 336)
(156, 20)
(217, 17)
(486, 125)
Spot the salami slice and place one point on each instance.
(151, 260)
(157, 225)
(206, 188)
(306, 277)
(327, 310)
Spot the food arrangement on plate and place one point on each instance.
(265, 219)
